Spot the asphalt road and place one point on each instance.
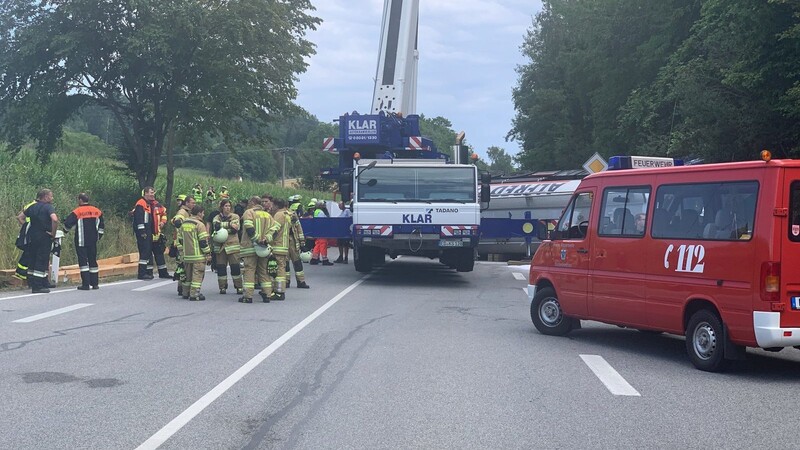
(413, 356)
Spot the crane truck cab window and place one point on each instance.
(413, 184)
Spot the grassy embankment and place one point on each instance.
(92, 170)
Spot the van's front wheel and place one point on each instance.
(546, 314)
(705, 341)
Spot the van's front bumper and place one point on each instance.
(769, 333)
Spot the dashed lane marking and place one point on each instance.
(52, 313)
(609, 376)
(65, 290)
(153, 286)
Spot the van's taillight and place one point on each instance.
(770, 281)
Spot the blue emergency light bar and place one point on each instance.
(641, 162)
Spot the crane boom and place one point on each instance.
(398, 57)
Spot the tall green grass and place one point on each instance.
(71, 171)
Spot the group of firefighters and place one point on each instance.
(258, 239)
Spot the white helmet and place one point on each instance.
(263, 252)
(220, 236)
(305, 257)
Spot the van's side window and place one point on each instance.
(574, 223)
(624, 211)
(706, 211)
(794, 212)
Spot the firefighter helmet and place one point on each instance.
(181, 197)
(262, 251)
(305, 256)
(220, 236)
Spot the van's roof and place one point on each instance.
(742, 165)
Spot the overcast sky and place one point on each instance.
(468, 52)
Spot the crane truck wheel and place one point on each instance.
(362, 259)
(465, 261)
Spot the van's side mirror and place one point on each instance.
(541, 231)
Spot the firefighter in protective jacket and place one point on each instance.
(89, 228)
(23, 239)
(259, 229)
(143, 229)
(184, 211)
(159, 240)
(196, 252)
(280, 247)
(228, 251)
(297, 241)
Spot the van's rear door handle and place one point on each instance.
(583, 250)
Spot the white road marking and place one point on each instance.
(34, 295)
(52, 313)
(153, 286)
(121, 282)
(197, 407)
(518, 276)
(609, 376)
(66, 290)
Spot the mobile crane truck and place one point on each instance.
(407, 197)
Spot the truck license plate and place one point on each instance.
(446, 243)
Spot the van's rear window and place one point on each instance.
(794, 212)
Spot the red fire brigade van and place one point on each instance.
(708, 251)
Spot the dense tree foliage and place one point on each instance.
(500, 162)
(715, 79)
(168, 70)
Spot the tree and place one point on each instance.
(500, 161)
(232, 169)
(730, 90)
(163, 68)
(586, 59)
(310, 158)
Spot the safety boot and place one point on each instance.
(303, 285)
(326, 263)
(278, 296)
(264, 297)
(223, 291)
(239, 291)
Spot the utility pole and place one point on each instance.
(283, 151)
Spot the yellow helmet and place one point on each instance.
(181, 197)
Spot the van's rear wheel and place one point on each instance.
(705, 341)
(546, 314)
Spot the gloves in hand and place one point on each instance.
(217, 226)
